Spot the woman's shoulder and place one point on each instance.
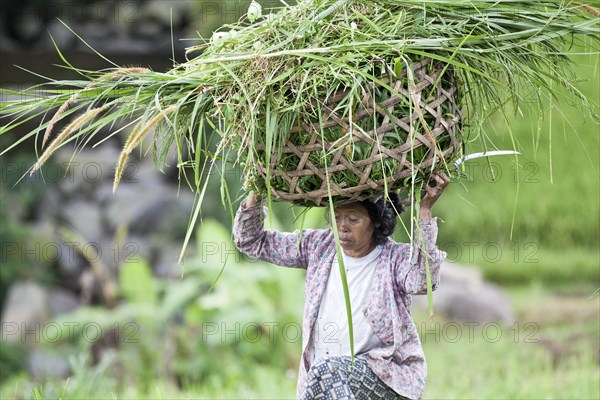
(393, 249)
(317, 237)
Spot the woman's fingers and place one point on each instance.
(438, 178)
(434, 188)
(442, 178)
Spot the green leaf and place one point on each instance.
(177, 295)
(137, 283)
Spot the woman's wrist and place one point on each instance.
(425, 214)
(252, 199)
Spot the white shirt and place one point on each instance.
(331, 334)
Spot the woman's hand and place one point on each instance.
(432, 193)
(252, 199)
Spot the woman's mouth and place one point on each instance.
(344, 240)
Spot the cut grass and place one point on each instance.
(253, 83)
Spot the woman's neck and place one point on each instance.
(358, 253)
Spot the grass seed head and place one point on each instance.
(66, 132)
(64, 107)
(155, 120)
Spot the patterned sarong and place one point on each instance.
(333, 378)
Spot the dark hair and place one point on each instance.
(384, 212)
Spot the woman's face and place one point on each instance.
(355, 229)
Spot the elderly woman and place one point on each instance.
(381, 274)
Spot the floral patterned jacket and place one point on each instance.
(400, 363)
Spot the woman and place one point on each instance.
(382, 274)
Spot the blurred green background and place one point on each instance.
(531, 225)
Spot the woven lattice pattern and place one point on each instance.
(390, 137)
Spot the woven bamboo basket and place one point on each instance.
(403, 139)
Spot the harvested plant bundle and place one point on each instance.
(332, 99)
